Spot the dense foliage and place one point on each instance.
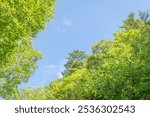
(116, 69)
(30, 94)
(20, 21)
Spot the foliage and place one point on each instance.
(20, 21)
(30, 94)
(70, 87)
(121, 66)
(76, 60)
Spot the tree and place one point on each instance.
(132, 23)
(120, 67)
(20, 21)
(74, 86)
(29, 93)
(76, 60)
(144, 16)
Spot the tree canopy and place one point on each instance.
(76, 60)
(20, 21)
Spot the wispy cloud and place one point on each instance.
(51, 66)
(55, 69)
(65, 25)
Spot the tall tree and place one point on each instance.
(75, 60)
(20, 21)
(120, 67)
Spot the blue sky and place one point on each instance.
(78, 24)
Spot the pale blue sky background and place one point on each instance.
(78, 24)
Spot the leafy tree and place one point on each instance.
(132, 23)
(144, 16)
(75, 60)
(120, 67)
(20, 21)
(30, 94)
(74, 86)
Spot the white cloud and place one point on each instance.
(67, 23)
(59, 75)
